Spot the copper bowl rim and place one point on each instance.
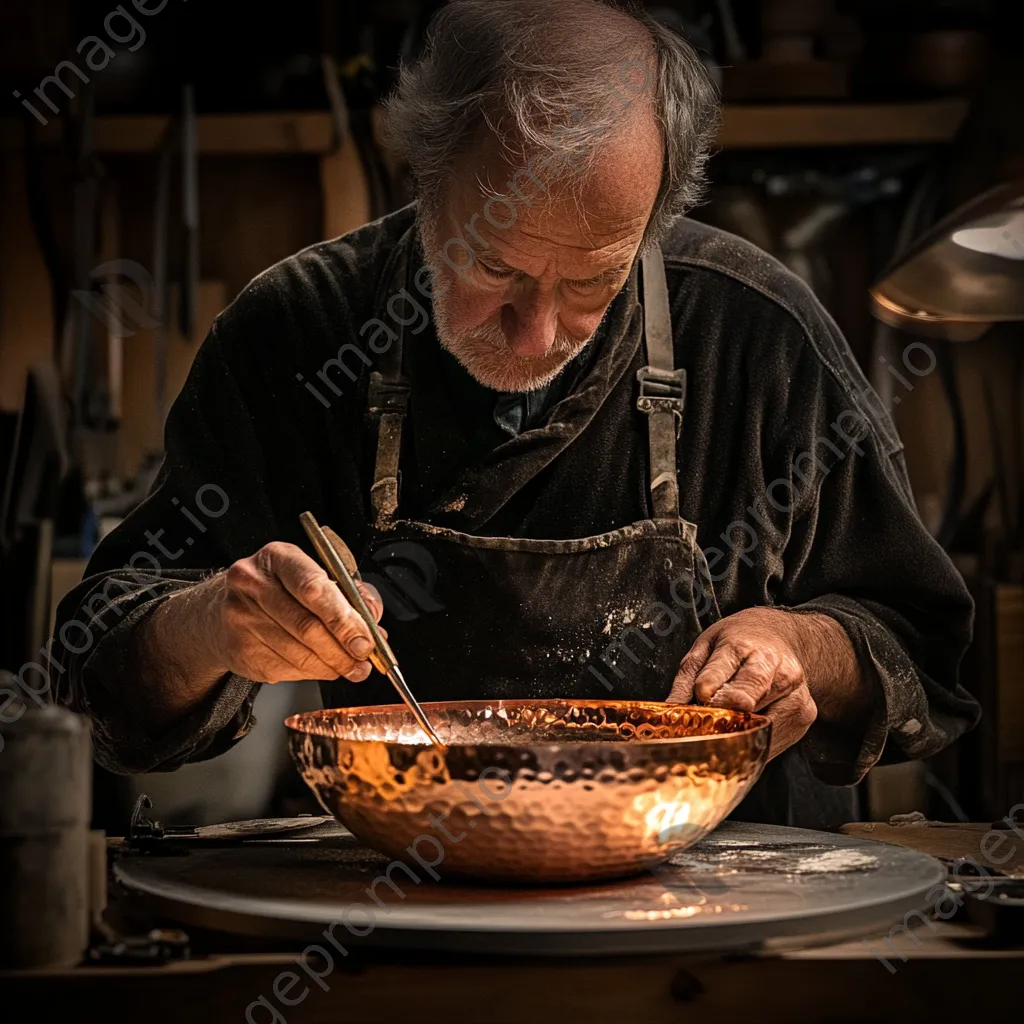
(753, 723)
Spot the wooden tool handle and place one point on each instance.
(381, 657)
(349, 561)
(344, 552)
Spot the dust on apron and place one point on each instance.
(603, 616)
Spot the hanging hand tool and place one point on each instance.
(190, 213)
(160, 287)
(80, 354)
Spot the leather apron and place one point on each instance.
(600, 617)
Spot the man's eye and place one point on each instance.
(590, 285)
(494, 271)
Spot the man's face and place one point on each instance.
(524, 281)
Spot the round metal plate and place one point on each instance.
(744, 887)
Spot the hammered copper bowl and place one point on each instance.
(531, 790)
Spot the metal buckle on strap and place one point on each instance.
(662, 391)
(387, 395)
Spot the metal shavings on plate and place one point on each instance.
(789, 859)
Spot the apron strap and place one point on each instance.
(387, 401)
(662, 388)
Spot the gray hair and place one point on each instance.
(547, 77)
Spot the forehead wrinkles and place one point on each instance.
(572, 260)
(564, 245)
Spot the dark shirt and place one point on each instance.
(774, 402)
(516, 411)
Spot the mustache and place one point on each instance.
(485, 352)
(491, 334)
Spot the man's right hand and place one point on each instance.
(273, 617)
(277, 616)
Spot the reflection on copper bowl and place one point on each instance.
(531, 790)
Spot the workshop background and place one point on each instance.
(136, 205)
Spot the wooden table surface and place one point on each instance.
(946, 979)
(995, 847)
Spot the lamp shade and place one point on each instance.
(964, 275)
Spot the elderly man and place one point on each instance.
(628, 456)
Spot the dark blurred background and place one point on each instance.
(213, 139)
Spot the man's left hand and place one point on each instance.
(751, 661)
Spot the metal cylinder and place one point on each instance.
(46, 804)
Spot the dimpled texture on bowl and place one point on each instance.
(531, 791)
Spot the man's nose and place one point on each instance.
(530, 323)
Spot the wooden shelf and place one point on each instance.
(761, 126)
(841, 124)
(282, 134)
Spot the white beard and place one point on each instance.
(484, 353)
